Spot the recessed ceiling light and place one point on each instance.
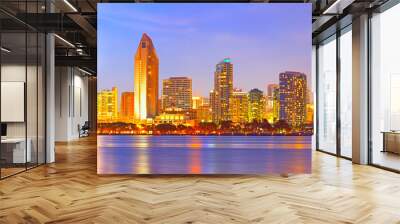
(84, 71)
(70, 5)
(5, 50)
(64, 40)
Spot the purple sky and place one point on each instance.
(262, 40)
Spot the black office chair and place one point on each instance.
(84, 130)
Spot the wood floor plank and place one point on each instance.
(70, 191)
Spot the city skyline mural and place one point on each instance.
(186, 89)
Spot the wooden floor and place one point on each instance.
(70, 191)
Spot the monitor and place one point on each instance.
(3, 129)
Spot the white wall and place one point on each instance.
(33, 126)
(12, 73)
(71, 103)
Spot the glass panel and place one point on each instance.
(41, 98)
(346, 93)
(385, 84)
(13, 87)
(23, 86)
(32, 89)
(31, 98)
(327, 96)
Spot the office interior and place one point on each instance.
(48, 94)
(48, 79)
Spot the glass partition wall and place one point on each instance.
(326, 104)
(22, 77)
(345, 91)
(385, 89)
(334, 86)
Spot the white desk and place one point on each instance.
(19, 153)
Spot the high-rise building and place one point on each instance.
(159, 106)
(198, 101)
(239, 107)
(177, 94)
(309, 97)
(146, 79)
(204, 114)
(292, 95)
(223, 89)
(205, 101)
(275, 105)
(127, 106)
(256, 105)
(214, 106)
(270, 103)
(107, 105)
(271, 88)
(309, 114)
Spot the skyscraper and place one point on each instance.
(146, 79)
(270, 103)
(177, 93)
(107, 105)
(309, 114)
(292, 95)
(198, 101)
(271, 88)
(127, 106)
(239, 106)
(256, 105)
(275, 105)
(214, 106)
(223, 89)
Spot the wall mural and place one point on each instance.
(204, 88)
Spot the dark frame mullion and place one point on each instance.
(0, 95)
(26, 86)
(369, 90)
(44, 78)
(37, 91)
(316, 97)
(338, 93)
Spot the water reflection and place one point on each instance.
(203, 154)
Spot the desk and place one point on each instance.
(391, 141)
(19, 155)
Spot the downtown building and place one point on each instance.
(127, 106)
(198, 101)
(146, 80)
(275, 105)
(292, 98)
(223, 90)
(256, 105)
(107, 105)
(177, 94)
(201, 108)
(271, 102)
(239, 108)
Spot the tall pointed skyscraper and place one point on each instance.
(223, 90)
(146, 79)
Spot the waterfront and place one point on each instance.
(126, 154)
